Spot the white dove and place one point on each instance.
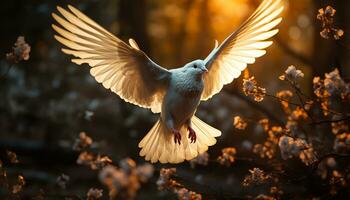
(178, 135)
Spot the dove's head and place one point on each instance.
(196, 67)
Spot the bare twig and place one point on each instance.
(299, 93)
(281, 99)
(262, 109)
(331, 121)
(328, 155)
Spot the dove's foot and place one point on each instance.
(192, 135)
(177, 136)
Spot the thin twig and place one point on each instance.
(331, 121)
(328, 155)
(262, 109)
(296, 104)
(281, 99)
(299, 93)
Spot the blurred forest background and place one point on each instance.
(47, 101)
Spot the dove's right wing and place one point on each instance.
(242, 47)
(124, 69)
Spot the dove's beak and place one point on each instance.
(205, 70)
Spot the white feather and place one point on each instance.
(242, 47)
(95, 46)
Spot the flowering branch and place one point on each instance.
(20, 51)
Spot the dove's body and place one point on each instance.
(128, 72)
(182, 98)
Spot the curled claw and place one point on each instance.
(192, 135)
(177, 136)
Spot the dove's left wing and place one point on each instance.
(124, 69)
(242, 47)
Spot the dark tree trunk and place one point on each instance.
(133, 22)
(181, 36)
(204, 24)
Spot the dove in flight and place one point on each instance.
(126, 70)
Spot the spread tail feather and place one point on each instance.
(159, 145)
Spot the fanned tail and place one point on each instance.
(159, 145)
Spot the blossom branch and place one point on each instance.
(297, 104)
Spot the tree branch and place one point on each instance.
(258, 107)
(331, 121)
(328, 155)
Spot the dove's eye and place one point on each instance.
(195, 66)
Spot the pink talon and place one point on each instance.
(177, 136)
(192, 135)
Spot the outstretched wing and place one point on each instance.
(124, 69)
(242, 47)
